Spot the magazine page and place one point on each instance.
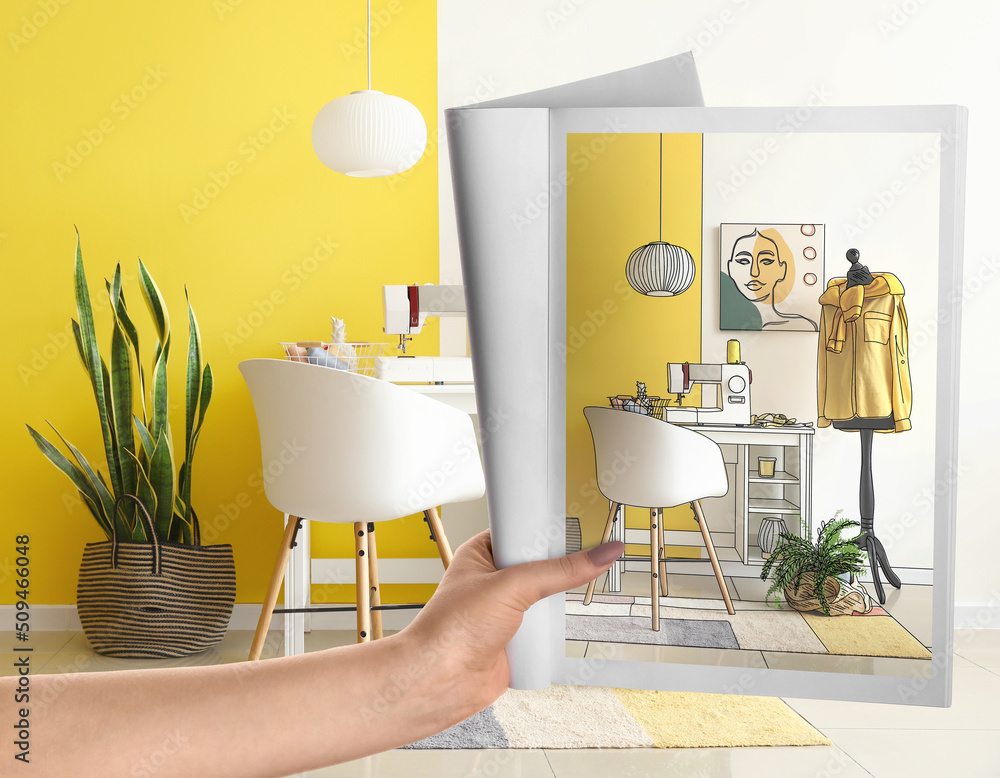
(753, 378)
(500, 171)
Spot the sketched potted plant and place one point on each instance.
(151, 589)
(811, 574)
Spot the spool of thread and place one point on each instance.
(733, 352)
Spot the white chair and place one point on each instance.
(343, 447)
(645, 462)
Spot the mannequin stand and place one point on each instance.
(867, 541)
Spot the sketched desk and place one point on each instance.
(787, 495)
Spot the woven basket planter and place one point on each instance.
(843, 598)
(155, 600)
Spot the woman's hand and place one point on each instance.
(477, 609)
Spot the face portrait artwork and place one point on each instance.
(771, 276)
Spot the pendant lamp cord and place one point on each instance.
(661, 183)
(369, 40)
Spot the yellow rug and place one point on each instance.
(689, 720)
(595, 717)
(865, 636)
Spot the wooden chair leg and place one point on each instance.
(703, 525)
(663, 555)
(654, 562)
(437, 530)
(361, 573)
(608, 526)
(376, 597)
(272, 589)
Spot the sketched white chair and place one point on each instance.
(667, 466)
(364, 450)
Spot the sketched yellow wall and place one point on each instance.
(180, 132)
(616, 336)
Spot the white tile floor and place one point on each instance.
(870, 740)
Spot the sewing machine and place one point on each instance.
(405, 309)
(725, 393)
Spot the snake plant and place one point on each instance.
(138, 447)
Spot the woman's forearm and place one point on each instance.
(288, 715)
(267, 718)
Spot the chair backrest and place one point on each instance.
(342, 447)
(651, 463)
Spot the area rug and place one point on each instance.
(756, 626)
(595, 717)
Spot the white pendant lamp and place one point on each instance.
(368, 134)
(660, 269)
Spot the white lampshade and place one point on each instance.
(660, 269)
(368, 134)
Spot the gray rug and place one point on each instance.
(479, 731)
(636, 629)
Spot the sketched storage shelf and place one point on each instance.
(787, 495)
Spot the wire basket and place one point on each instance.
(647, 406)
(353, 357)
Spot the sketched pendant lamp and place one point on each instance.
(368, 134)
(660, 269)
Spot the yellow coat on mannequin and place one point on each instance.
(863, 361)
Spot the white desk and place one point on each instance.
(750, 498)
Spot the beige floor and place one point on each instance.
(870, 740)
(909, 605)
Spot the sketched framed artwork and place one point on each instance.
(771, 276)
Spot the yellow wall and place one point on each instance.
(616, 336)
(156, 101)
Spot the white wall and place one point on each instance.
(783, 52)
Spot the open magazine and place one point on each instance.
(729, 338)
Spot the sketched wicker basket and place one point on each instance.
(647, 406)
(844, 598)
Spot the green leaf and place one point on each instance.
(154, 301)
(122, 397)
(192, 397)
(161, 478)
(147, 496)
(144, 437)
(95, 368)
(106, 503)
(75, 474)
(161, 407)
(125, 322)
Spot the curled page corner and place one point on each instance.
(499, 161)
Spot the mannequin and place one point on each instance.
(864, 323)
